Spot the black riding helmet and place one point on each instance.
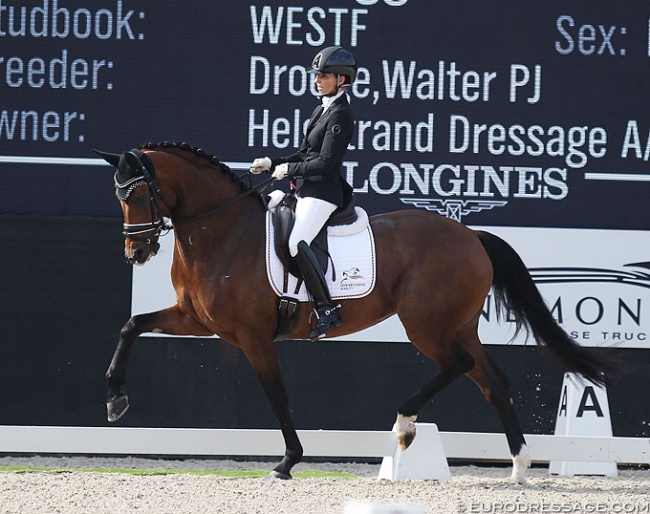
(337, 60)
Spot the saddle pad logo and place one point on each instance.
(352, 278)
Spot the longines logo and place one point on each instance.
(456, 190)
(453, 209)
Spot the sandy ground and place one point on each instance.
(472, 489)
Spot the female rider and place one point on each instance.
(315, 174)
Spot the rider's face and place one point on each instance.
(326, 83)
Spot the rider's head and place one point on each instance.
(336, 61)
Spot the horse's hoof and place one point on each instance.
(117, 407)
(406, 439)
(279, 476)
(405, 429)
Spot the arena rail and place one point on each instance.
(317, 443)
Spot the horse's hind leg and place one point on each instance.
(168, 321)
(457, 363)
(495, 387)
(467, 356)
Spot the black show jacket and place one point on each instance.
(316, 168)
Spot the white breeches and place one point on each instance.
(311, 215)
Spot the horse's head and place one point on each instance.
(140, 200)
(174, 180)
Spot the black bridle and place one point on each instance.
(158, 225)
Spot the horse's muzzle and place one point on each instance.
(139, 252)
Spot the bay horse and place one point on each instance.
(434, 273)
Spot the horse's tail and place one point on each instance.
(516, 292)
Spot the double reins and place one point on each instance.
(259, 187)
(158, 224)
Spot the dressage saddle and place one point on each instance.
(283, 219)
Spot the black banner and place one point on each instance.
(499, 113)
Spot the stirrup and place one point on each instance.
(326, 319)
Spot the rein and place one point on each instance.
(139, 162)
(253, 189)
(157, 224)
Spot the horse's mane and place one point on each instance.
(200, 153)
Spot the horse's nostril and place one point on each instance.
(140, 255)
(136, 255)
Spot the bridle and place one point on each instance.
(159, 225)
(156, 227)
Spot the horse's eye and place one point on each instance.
(140, 199)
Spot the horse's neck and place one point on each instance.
(227, 232)
(202, 194)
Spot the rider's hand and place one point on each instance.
(280, 171)
(260, 164)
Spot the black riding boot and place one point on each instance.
(326, 314)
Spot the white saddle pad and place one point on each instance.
(354, 264)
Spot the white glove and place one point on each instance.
(280, 171)
(259, 165)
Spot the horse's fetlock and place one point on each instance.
(405, 430)
(405, 424)
(294, 455)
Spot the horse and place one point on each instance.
(433, 272)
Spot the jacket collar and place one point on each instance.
(330, 100)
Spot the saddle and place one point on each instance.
(283, 218)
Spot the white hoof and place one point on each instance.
(405, 429)
(520, 463)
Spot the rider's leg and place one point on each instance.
(311, 215)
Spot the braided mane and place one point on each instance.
(199, 152)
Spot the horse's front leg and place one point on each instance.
(171, 321)
(264, 360)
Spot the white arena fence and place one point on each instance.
(317, 443)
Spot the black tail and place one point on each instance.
(516, 292)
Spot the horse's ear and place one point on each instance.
(110, 158)
(139, 162)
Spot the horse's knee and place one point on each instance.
(129, 328)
